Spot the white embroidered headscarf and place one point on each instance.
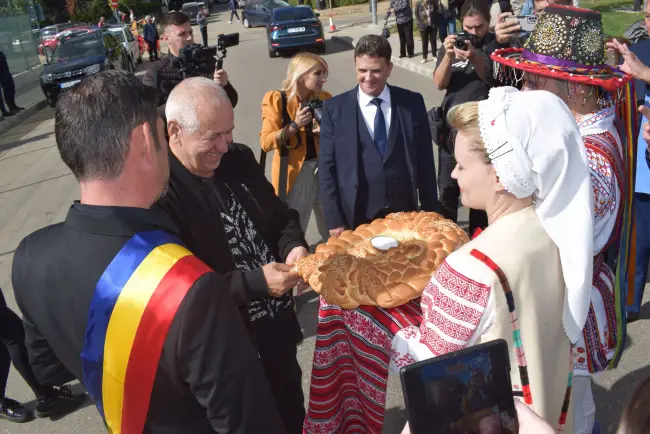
(536, 150)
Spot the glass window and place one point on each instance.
(77, 47)
(111, 41)
(48, 33)
(119, 35)
(293, 14)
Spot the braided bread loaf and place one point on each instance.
(348, 271)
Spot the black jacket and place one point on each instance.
(209, 378)
(190, 203)
(165, 74)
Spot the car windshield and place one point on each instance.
(78, 47)
(190, 10)
(278, 4)
(48, 33)
(292, 14)
(119, 34)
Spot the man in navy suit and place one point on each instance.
(376, 153)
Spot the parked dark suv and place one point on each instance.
(78, 56)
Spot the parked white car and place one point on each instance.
(130, 42)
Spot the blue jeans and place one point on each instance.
(446, 26)
(642, 204)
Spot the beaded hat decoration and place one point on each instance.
(566, 44)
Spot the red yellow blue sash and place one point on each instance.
(132, 309)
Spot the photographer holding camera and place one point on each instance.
(291, 127)
(463, 70)
(171, 70)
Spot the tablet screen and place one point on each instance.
(467, 392)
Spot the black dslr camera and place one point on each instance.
(315, 107)
(462, 38)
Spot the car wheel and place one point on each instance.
(247, 24)
(272, 53)
(51, 102)
(322, 49)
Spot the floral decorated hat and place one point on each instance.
(567, 44)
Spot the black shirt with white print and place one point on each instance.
(249, 251)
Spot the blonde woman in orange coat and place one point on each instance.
(298, 136)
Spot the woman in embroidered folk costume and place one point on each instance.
(565, 55)
(526, 278)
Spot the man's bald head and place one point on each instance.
(190, 98)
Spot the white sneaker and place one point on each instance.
(423, 61)
(238, 21)
(229, 22)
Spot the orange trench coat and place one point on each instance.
(271, 124)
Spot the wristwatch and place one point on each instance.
(294, 125)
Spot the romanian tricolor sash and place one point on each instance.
(132, 309)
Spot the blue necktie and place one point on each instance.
(381, 140)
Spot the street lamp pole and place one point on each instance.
(373, 9)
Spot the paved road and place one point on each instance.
(36, 190)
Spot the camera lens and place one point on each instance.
(318, 113)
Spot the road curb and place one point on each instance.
(10, 122)
(404, 63)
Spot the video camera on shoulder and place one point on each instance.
(195, 59)
(462, 38)
(315, 107)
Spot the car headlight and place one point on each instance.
(91, 69)
(47, 78)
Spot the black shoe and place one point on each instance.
(632, 316)
(14, 411)
(402, 56)
(17, 108)
(6, 114)
(58, 402)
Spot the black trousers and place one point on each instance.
(152, 47)
(233, 13)
(405, 31)
(450, 193)
(204, 34)
(13, 350)
(428, 34)
(7, 83)
(285, 378)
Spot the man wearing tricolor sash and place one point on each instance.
(113, 298)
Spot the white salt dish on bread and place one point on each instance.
(384, 243)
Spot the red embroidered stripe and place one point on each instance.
(350, 369)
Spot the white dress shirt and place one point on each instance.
(369, 110)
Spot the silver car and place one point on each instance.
(130, 43)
